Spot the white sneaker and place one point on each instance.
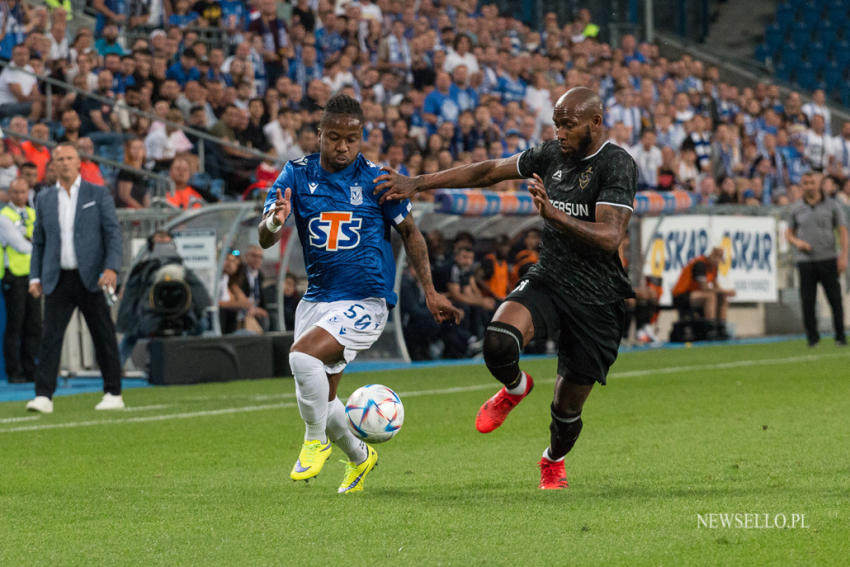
(110, 402)
(41, 404)
(650, 332)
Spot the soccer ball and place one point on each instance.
(374, 413)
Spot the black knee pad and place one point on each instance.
(502, 345)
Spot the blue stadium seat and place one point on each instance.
(790, 55)
(811, 17)
(837, 13)
(774, 37)
(816, 54)
(785, 15)
(841, 53)
(833, 75)
(845, 96)
(763, 52)
(783, 72)
(801, 34)
(826, 33)
(805, 77)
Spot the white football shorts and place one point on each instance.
(356, 324)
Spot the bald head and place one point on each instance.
(19, 191)
(582, 101)
(578, 121)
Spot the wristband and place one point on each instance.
(272, 225)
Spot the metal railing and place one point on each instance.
(211, 36)
(160, 180)
(50, 82)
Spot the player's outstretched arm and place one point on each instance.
(480, 174)
(417, 254)
(606, 233)
(270, 225)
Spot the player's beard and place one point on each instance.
(583, 146)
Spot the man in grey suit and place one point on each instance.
(76, 253)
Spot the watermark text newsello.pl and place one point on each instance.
(751, 521)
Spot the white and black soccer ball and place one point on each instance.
(374, 413)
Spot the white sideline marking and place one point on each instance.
(188, 415)
(147, 408)
(14, 419)
(734, 364)
(436, 391)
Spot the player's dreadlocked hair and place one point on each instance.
(343, 104)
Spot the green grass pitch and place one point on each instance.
(200, 475)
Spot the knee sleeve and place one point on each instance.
(502, 345)
(563, 433)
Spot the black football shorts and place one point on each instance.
(587, 335)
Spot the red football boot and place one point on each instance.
(552, 474)
(494, 411)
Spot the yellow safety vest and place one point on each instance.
(591, 30)
(19, 264)
(64, 4)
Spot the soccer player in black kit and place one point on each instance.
(583, 187)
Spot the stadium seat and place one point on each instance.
(816, 54)
(833, 75)
(811, 17)
(785, 15)
(783, 72)
(790, 55)
(774, 37)
(841, 54)
(837, 13)
(826, 33)
(804, 76)
(801, 34)
(763, 53)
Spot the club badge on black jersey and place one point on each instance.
(576, 187)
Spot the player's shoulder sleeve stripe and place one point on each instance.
(397, 220)
(519, 159)
(614, 205)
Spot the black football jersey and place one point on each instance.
(575, 186)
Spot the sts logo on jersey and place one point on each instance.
(335, 230)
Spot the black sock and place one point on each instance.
(643, 313)
(563, 433)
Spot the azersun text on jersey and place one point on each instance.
(344, 232)
(575, 186)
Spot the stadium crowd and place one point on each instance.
(442, 83)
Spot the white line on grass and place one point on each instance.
(733, 364)
(164, 417)
(436, 391)
(15, 419)
(147, 408)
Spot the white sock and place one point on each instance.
(520, 388)
(338, 432)
(548, 458)
(311, 392)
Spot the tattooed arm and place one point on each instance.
(417, 255)
(606, 233)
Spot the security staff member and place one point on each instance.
(813, 223)
(23, 312)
